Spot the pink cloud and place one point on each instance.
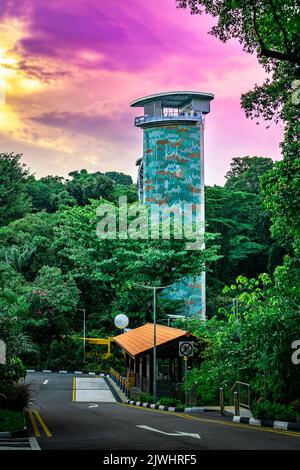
(95, 57)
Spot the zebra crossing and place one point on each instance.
(21, 443)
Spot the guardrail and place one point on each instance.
(193, 116)
(242, 390)
(120, 381)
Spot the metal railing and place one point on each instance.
(121, 382)
(184, 116)
(242, 390)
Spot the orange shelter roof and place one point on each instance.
(140, 340)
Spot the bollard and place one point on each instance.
(222, 401)
(236, 404)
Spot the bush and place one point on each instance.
(170, 401)
(11, 420)
(274, 411)
(145, 398)
(12, 370)
(15, 396)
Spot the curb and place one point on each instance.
(113, 390)
(283, 425)
(167, 408)
(79, 372)
(14, 434)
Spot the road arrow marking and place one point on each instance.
(177, 433)
(46, 381)
(93, 405)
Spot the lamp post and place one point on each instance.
(84, 331)
(154, 290)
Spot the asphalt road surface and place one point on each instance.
(59, 422)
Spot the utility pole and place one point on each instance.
(154, 290)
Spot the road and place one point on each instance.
(60, 422)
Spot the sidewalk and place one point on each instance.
(231, 410)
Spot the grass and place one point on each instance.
(11, 420)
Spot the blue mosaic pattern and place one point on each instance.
(172, 175)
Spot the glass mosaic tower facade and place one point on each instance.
(171, 170)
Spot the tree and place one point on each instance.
(53, 299)
(272, 30)
(281, 186)
(245, 173)
(14, 202)
(119, 178)
(106, 270)
(254, 347)
(130, 191)
(269, 28)
(48, 193)
(85, 186)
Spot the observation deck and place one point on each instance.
(171, 107)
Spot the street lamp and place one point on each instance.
(84, 328)
(154, 289)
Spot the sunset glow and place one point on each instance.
(70, 69)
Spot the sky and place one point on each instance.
(69, 69)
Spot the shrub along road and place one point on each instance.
(60, 422)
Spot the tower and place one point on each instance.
(171, 170)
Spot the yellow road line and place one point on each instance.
(74, 389)
(218, 421)
(47, 432)
(34, 425)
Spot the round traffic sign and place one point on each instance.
(186, 348)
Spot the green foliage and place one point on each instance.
(14, 202)
(255, 346)
(121, 190)
(11, 421)
(119, 178)
(13, 370)
(48, 193)
(145, 398)
(170, 401)
(244, 227)
(15, 396)
(85, 186)
(273, 411)
(245, 172)
(64, 354)
(281, 185)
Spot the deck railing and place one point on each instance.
(121, 382)
(181, 116)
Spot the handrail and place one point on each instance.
(121, 382)
(193, 116)
(245, 405)
(240, 383)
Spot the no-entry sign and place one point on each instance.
(186, 348)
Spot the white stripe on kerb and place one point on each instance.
(255, 422)
(280, 425)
